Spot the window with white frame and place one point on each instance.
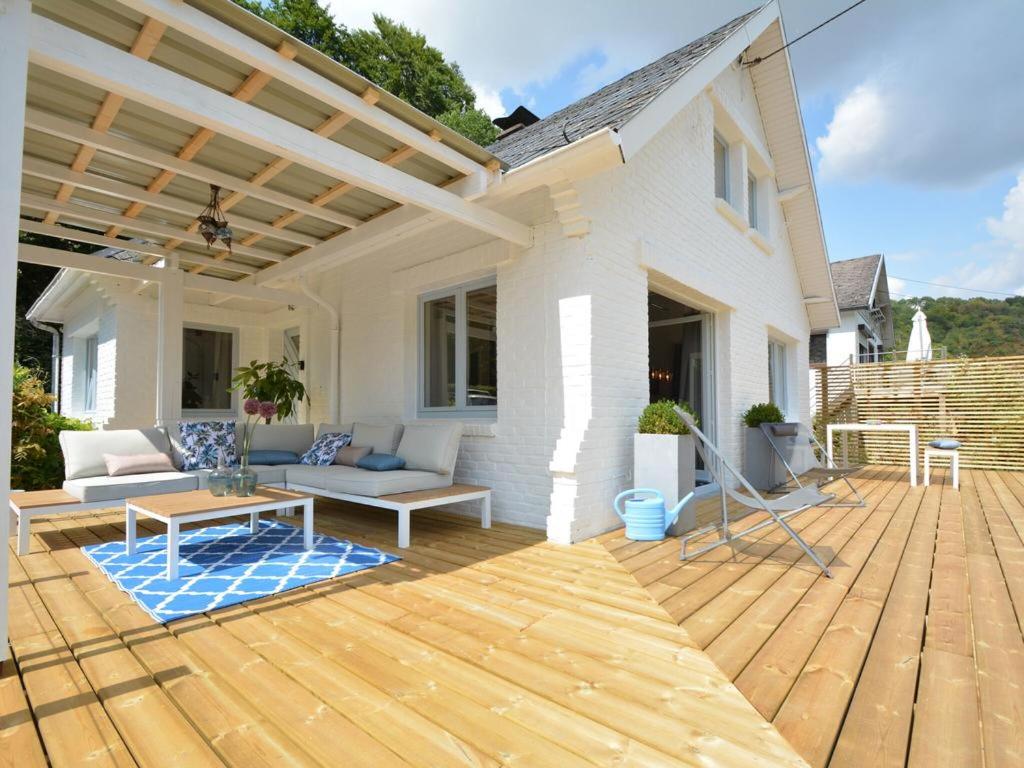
(777, 374)
(721, 168)
(459, 350)
(207, 363)
(90, 370)
(752, 200)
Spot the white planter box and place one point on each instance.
(760, 466)
(667, 464)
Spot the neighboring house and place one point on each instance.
(677, 252)
(865, 330)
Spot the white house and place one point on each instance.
(658, 238)
(865, 331)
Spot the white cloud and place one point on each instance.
(489, 100)
(998, 264)
(857, 132)
(898, 287)
(939, 103)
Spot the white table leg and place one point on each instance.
(254, 522)
(24, 523)
(913, 456)
(130, 529)
(927, 469)
(307, 523)
(403, 527)
(172, 550)
(485, 516)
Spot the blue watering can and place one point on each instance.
(645, 516)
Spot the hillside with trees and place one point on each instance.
(391, 55)
(974, 327)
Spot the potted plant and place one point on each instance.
(269, 390)
(759, 465)
(664, 458)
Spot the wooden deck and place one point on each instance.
(911, 655)
(478, 648)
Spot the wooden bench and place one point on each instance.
(28, 504)
(404, 503)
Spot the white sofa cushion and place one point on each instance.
(382, 438)
(339, 429)
(363, 482)
(116, 488)
(137, 463)
(83, 451)
(430, 447)
(296, 438)
(264, 474)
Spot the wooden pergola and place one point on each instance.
(119, 116)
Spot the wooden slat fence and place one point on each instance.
(978, 401)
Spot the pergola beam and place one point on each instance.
(143, 226)
(98, 265)
(205, 29)
(64, 50)
(132, 150)
(44, 169)
(143, 247)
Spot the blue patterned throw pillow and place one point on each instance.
(325, 449)
(202, 442)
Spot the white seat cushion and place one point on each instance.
(430, 447)
(116, 488)
(264, 474)
(365, 482)
(83, 451)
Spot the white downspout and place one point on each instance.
(55, 360)
(335, 343)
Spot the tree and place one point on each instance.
(974, 327)
(392, 56)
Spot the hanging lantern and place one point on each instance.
(212, 224)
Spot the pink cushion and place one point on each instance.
(349, 455)
(137, 464)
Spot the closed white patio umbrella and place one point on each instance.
(920, 345)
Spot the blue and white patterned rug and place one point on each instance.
(226, 565)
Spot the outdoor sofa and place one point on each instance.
(430, 451)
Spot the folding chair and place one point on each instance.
(778, 510)
(794, 444)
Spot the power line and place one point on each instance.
(759, 59)
(955, 287)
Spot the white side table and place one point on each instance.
(910, 429)
(953, 454)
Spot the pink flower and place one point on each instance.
(267, 409)
(251, 406)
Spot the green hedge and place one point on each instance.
(660, 418)
(36, 459)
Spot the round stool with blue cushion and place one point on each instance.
(947, 448)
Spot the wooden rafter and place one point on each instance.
(255, 82)
(145, 43)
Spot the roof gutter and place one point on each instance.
(55, 357)
(594, 153)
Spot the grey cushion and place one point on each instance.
(296, 438)
(117, 488)
(83, 451)
(430, 447)
(264, 474)
(338, 429)
(382, 438)
(349, 455)
(363, 482)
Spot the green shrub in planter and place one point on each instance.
(762, 413)
(660, 418)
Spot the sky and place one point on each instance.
(913, 109)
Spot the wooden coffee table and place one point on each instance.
(176, 509)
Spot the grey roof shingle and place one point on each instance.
(613, 105)
(854, 279)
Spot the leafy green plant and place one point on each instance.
(271, 382)
(36, 459)
(660, 418)
(762, 413)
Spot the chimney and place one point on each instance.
(519, 119)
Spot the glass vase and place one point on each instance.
(221, 480)
(244, 479)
